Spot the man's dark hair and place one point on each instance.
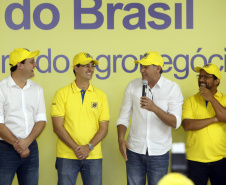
(13, 68)
(215, 78)
(78, 65)
(160, 70)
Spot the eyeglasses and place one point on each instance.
(87, 65)
(204, 76)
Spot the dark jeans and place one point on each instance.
(199, 172)
(68, 169)
(25, 168)
(139, 166)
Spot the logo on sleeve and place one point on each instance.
(94, 105)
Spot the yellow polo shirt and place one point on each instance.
(81, 120)
(207, 144)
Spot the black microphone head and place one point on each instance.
(145, 85)
(144, 82)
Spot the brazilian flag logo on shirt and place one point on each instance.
(94, 105)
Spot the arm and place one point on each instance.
(218, 108)
(7, 135)
(102, 132)
(121, 141)
(197, 124)
(189, 120)
(84, 150)
(21, 145)
(61, 132)
(166, 118)
(123, 120)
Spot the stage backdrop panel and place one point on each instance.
(187, 33)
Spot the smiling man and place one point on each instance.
(204, 119)
(22, 119)
(153, 116)
(80, 116)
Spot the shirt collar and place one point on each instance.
(218, 94)
(160, 82)
(76, 89)
(12, 83)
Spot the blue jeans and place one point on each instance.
(139, 166)
(25, 168)
(68, 169)
(199, 172)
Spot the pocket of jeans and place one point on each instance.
(5, 146)
(33, 146)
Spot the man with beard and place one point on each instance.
(153, 116)
(204, 118)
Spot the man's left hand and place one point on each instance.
(147, 103)
(20, 145)
(206, 93)
(82, 152)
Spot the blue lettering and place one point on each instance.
(124, 66)
(78, 11)
(158, 15)
(198, 56)
(55, 66)
(178, 16)
(25, 8)
(108, 68)
(180, 63)
(189, 13)
(111, 14)
(37, 18)
(225, 61)
(3, 62)
(186, 68)
(216, 56)
(48, 57)
(115, 57)
(140, 15)
(167, 63)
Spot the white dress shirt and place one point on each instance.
(147, 131)
(20, 108)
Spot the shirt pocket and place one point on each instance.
(163, 104)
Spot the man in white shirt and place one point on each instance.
(22, 119)
(153, 116)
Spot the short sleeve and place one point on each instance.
(58, 105)
(187, 109)
(105, 109)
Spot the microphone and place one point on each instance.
(145, 86)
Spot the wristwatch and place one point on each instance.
(91, 147)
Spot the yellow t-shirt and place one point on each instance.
(207, 144)
(81, 120)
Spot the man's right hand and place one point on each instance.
(25, 153)
(82, 152)
(122, 147)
